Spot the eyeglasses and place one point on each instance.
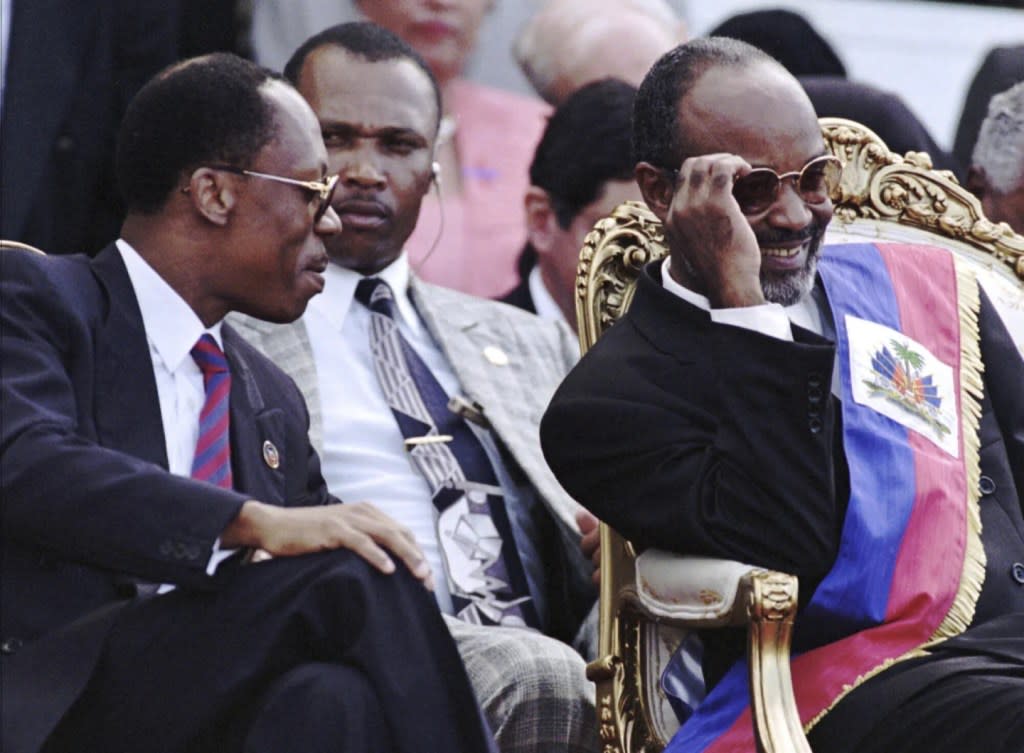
(758, 190)
(322, 190)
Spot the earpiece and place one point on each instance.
(435, 172)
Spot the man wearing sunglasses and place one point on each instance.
(147, 450)
(703, 423)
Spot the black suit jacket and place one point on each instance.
(72, 69)
(88, 503)
(715, 440)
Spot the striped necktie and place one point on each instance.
(212, 461)
(485, 575)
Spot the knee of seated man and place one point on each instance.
(312, 700)
(512, 667)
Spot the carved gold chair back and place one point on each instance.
(882, 195)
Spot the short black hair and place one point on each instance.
(585, 144)
(656, 129)
(364, 40)
(204, 110)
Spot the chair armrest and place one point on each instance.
(697, 592)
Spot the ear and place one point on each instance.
(541, 223)
(656, 186)
(213, 194)
(977, 182)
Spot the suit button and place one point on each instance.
(1018, 572)
(10, 646)
(64, 143)
(986, 485)
(814, 424)
(815, 380)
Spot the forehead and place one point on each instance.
(758, 112)
(298, 143)
(343, 88)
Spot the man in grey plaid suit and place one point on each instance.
(378, 107)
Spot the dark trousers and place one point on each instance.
(965, 696)
(312, 653)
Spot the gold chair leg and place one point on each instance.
(772, 604)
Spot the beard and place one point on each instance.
(787, 288)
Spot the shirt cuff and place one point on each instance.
(768, 319)
(217, 556)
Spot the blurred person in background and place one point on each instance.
(581, 171)
(569, 43)
(996, 174)
(1002, 68)
(69, 70)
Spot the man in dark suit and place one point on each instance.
(72, 68)
(129, 619)
(703, 423)
(582, 169)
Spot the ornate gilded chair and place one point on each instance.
(649, 602)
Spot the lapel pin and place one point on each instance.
(496, 355)
(270, 455)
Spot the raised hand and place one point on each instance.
(719, 247)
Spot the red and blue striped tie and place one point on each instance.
(212, 460)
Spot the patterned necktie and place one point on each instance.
(212, 461)
(485, 576)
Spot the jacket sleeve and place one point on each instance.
(62, 491)
(724, 449)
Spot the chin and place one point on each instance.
(788, 289)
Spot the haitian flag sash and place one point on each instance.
(910, 373)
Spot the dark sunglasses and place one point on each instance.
(758, 190)
(322, 190)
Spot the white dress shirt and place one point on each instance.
(543, 302)
(364, 457)
(172, 330)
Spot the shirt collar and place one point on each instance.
(340, 291)
(804, 312)
(669, 283)
(543, 302)
(172, 327)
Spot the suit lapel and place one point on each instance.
(514, 395)
(288, 346)
(127, 405)
(257, 433)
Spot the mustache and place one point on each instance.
(771, 236)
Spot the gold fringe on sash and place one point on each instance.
(972, 389)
